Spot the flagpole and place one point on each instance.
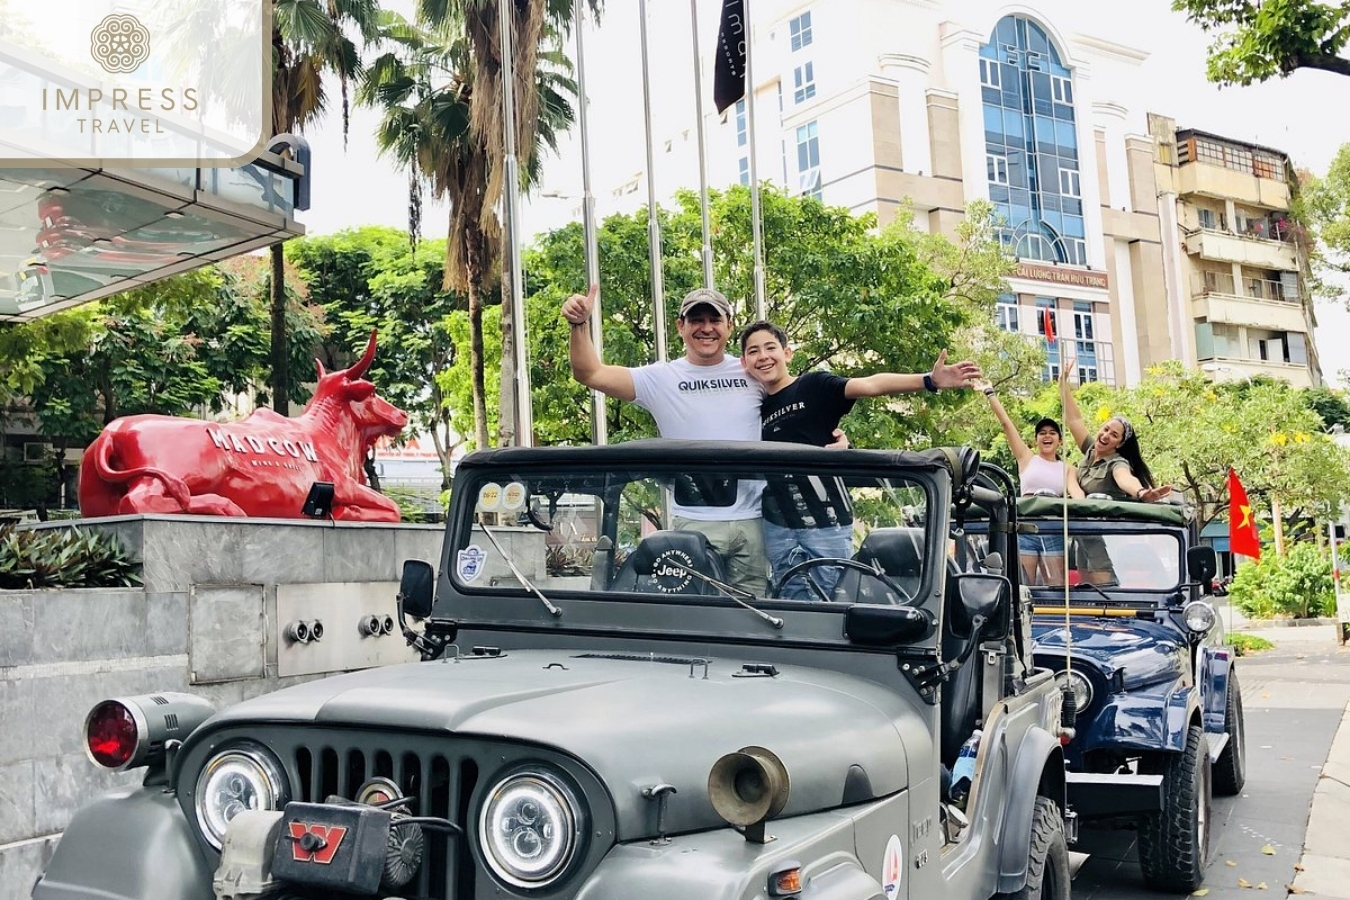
(511, 206)
(599, 424)
(702, 150)
(653, 222)
(755, 214)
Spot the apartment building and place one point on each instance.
(1237, 264)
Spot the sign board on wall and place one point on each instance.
(1062, 275)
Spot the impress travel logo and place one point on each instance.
(135, 83)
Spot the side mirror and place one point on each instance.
(416, 588)
(875, 625)
(981, 594)
(1202, 565)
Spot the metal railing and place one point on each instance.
(1246, 288)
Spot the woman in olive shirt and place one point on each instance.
(1111, 463)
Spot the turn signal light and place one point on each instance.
(786, 882)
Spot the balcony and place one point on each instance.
(1254, 302)
(1250, 249)
(1228, 369)
(1225, 183)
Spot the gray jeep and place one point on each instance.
(600, 713)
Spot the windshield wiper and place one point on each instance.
(734, 593)
(520, 576)
(1088, 584)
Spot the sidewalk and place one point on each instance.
(1324, 868)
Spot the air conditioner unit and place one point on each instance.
(35, 452)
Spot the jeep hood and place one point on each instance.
(1147, 652)
(635, 721)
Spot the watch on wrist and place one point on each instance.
(989, 392)
(929, 384)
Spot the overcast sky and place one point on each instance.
(1304, 115)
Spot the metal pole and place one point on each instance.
(702, 150)
(755, 214)
(511, 206)
(599, 424)
(653, 223)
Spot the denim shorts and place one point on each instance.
(1041, 544)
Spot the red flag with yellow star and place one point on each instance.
(1242, 536)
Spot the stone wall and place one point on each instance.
(206, 621)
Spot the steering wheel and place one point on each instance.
(809, 564)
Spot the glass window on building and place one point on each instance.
(1006, 312)
(800, 30)
(743, 167)
(1030, 121)
(803, 82)
(742, 127)
(808, 160)
(1085, 341)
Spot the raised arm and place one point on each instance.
(883, 384)
(1073, 416)
(1020, 451)
(587, 367)
(1125, 480)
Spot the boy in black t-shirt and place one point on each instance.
(810, 518)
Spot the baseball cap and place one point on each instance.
(1048, 421)
(705, 297)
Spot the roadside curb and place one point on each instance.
(1324, 867)
(1263, 624)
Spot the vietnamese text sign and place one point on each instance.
(134, 83)
(1062, 275)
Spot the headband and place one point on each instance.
(1126, 429)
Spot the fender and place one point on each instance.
(1040, 756)
(1155, 718)
(1212, 665)
(133, 845)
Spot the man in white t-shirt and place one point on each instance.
(704, 395)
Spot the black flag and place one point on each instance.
(729, 70)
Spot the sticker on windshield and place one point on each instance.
(892, 867)
(670, 571)
(489, 497)
(513, 496)
(470, 563)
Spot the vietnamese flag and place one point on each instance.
(1049, 326)
(1242, 537)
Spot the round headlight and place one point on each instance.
(1080, 685)
(530, 828)
(243, 777)
(1198, 616)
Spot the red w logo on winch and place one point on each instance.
(316, 843)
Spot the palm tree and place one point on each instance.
(427, 86)
(309, 40)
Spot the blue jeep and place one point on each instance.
(1123, 614)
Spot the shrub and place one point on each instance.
(1296, 585)
(63, 557)
(1247, 644)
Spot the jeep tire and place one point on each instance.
(1174, 843)
(1048, 861)
(1230, 771)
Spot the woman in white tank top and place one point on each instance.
(1042, 472)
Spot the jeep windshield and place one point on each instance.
(1113, 548)
(681, 526)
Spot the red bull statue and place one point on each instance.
(263, 466)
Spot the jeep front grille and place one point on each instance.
(439, 781)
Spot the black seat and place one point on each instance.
(899, 553)
(660, 562)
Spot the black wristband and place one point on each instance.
(929, 384)
(583, 323)
(989, 392)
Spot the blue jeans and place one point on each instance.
(786, 547)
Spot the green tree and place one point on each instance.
(175, 347)
(373, 278)
(1297, 585)
(309, 40)
(843, 291)
(1255, 40)
(1324, 204)
(439, 127)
